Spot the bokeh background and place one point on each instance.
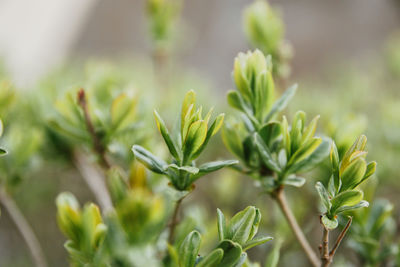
(344, 61)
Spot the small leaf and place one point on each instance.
(123, 110)
(256, 241)
(188, 107)
(213, 259)
(187, 169)
(312, 160)
(165, 134)
(294, 181)
(347, 198)
(361, 204)
(323, 194)
(353, 174)
(237, 102)
(282, 102)
(273, 257)
(371, 168)
(265, 153)
(222, 231)
(240, 226)
(232, 252)
(270, 132)
(189, 249)
(329, 224)
(309, 131)
(232, 140)
(305, 151)
(216, 165)
(195, 138)
(149, 160)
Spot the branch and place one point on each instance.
(94, 179)
(97, 144)
(174, 221)
(24, 228)
(325, 258)
(340, 237)
(279, 196)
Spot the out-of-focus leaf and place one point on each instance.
(189, 249)
(282, 102)
(295, 181)
(265, 153)
(165, 134)
(213, 259)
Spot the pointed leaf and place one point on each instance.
(361, 204)
(347, 198)
(165, 134)
(213, 259)
(256, 241)
(195, 138)
(149, 160)
(222, 231)
(323, 194)
(282, 102)
(353, 174)
(329, 224)
(240, 226)
(295, 181)
(265, 153)
(189, 249)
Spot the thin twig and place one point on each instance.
(94, 179)
(97, 144)
(325, 258)
(174, 220)
(24, 228)
(279, 196)
(340, 237)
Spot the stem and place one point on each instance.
(174, 220)
(97, 144)
(279, 196)
(94, 179)
(24, 228)
(325, 258)
(340, 237)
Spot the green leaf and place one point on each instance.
(323, 194)
(195, 138)
(265, 153)
(2, 152)
(273, 257)
(361, 204)
(123, 109)
(187, 169)
(214, 128)
(309, 131)
(165, 134)
(305, 151)
(371, 168)
(329, 224)
(188, 107)
(270, 132)
(282, 102)
(334, 156)
(256, 241)
(232, 252)
(149, 160)
(222, 230)
(312, 160)
(347, 198)
(353, 174)
(216, 165)
(213, 259)
(240, 227)
(294, 181)
(232, 141)
(236, 101)
(189, 249)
